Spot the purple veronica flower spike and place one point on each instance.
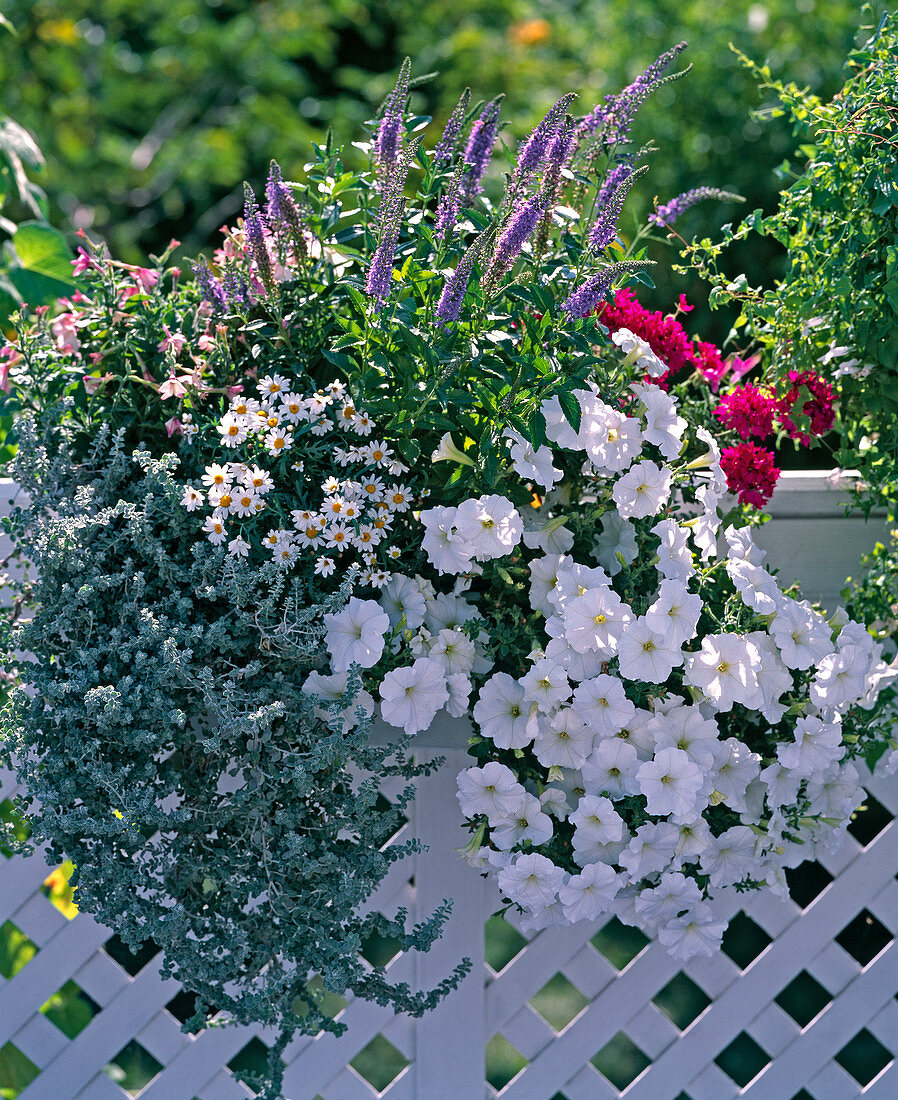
(534, 150)
(211, 288)
(519, 227)
(446, 146)
(389, 133)
(282, 212)
(584, 301)
(255, 238)
(667, 214)
(390, 214)
(450, 203)
(604, 228)
(615, 115)
(480, 147)
(450, 303)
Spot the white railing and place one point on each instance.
(801, 1002)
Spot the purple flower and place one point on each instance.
(450, 202)
(446, 146)
(255, 238)
(389, 132)
(563, 144)
(282, 212)
(450, 303)
(520, 226)
(667, 214)
(480, 147)
(612, 181)
(584, 301)
(390, 214)
(615, 115)
(604, 228)
(235, 289)
(210, 287)
(534, 150)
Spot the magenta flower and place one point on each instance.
(748, 411)
(750, 472)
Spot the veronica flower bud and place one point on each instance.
(255, 238)
(446, 146)
(480, 147)
(584, 301)
(667, 214)
(614, 117)
(389, 132)
(450, 303)
(390, 214)
(563, 143)
(235, 289)
(604, 228)
(450, 203)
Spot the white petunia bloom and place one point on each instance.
(618, 536)
(447, 612)
(817, 744)
(642, 491)
(459, 687)
(543, 579)
(671, 783)
(706, 525)
(554, 801)
(693, 837)
(550, 538)
(412, 695)
(742, 546)
(695, 933)
(332, 690)
(646, 655)
(576, 580)
(650, 850)
(668, 899)
(675, 613)
(685, 728)
(603, 704)
(737, 767)
(595, 819)
(841, 677)
(595, 621)
(445, 550)
(588, 895)
(532, 464)
(526, 823)
(774, 679)
(492, 790)
(611, 440)
(531, 880)
(546, 684)
(489, 526)
(663, 427)
(401, 597)
(503, 715)
(453, 651)
(355, 635)
(757, 588)
(723, 670)
(611, 769)
(731, 857)
(674, 556)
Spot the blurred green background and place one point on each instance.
(152, 112)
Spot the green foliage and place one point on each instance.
(835, 310)
(153, 114)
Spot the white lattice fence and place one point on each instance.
(801, 1003)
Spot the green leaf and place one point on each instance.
(44, 271)
(570, 406)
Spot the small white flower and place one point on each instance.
(611, 769)
(453, 650)
(192, 499)
(402, 597)
(675, 613)
(668, 899)
(278, 441)
(532, 464)
(595, 621)
(670, 783)
(490, 526)
(531, 880)
(646, 655)
(663, 427)
(446, 551)
(723, 670)
(324, 566)
(564, 740)
(272, 385)
(650, 850)
(546, 684)
(527, 823)
(217, 476)
(618, 536)
(233, 431)
(695, 933)
(674, 556)
(817, 744)
(588, 895)
(502, 713)
(603, 704)
(238, 547)
(214, 530)
(338, 536)
(596, 820)
(731, 857)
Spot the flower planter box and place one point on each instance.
(808, 539)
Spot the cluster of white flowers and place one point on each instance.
(352, 514)
(647, 757)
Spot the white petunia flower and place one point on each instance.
(742, 546)
(663, 427)
(671, 783)
(531, 880)
(646, 655)
(546, 684)
(611, 769)
(611, 440)
(588, 895)
(731, 857)
(695, 933)
(737, 766)
(642, 491)
(446, 551)
(596, 820)
(526, 823)
(817, 744)
(685, 728)
(675, 613)
(492, 790)
(401, 597)
(618, 536)
(502, 713)
(355, 635)
(412, 695)
(532, 464)
(674, 556)
(723, 670)
(840, 678)
(489, 526)
(603, 704)
(554, 801)
(650, 850)
(595, 621)
(564, 740)
(674, 893)
(453, 651)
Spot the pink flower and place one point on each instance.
(9, 356)
(63, 328)
(174, 341)
(206, 342)
(92, 384)
(747, 411)
(82, 262)
(815, 404)
(174, 427)
(750, 472)
(145, 278)
(172, 387)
